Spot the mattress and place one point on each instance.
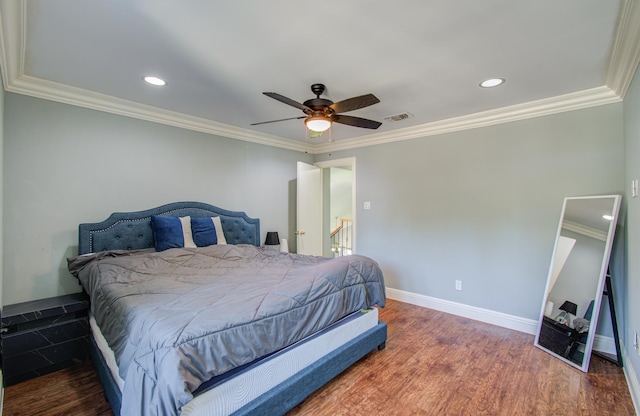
(228, 394)
(163, 311)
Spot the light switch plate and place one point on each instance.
(367, 205)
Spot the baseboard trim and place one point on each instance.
(530, 326)
(517, 323)
(632, 381)
(604, 344)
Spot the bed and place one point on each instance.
(271, 329)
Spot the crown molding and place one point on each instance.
(12, 40)
(13, 21)
(568, 102)
(623, 64)
(625, 52)
(66, 94)
(584, 230)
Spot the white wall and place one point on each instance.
(482, 205)
(340, 184)
(65, 165)
(631, 288)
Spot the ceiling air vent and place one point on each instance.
(399, 117)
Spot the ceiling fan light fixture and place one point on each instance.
(321, 113)
(318, 123)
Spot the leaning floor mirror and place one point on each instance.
(576, 279)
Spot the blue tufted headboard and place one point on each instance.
(132, 230)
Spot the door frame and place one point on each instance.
(336, 163)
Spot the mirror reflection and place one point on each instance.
(576, 277)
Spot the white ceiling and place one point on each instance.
(424, 58)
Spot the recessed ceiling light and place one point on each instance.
(492, 82)
(155, 81)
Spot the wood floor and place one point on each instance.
(434, 364)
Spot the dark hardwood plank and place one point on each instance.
(441, 364)
(72, 391)
(434, 364)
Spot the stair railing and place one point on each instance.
(341, 238)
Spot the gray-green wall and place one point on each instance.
(483, 205)
(632, 227)
(64, 165)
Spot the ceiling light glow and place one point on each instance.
(318, 123)
(492, 82)
(155, 81)
(607, 217)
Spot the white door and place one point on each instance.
(309, 210)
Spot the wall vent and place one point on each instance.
(399, 117)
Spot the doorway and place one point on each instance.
(329, 231)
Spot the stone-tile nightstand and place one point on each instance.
(42, 336)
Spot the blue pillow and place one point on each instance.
(171, 232)
(207, 231)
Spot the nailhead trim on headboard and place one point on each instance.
(132, 230)
(117, 236)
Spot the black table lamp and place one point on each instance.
(272, 239)
(566, 308)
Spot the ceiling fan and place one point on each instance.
(320, 113)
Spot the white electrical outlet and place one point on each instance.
(458, 284)
(367, 205)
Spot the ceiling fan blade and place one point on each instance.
(354, 103)
(288, 101)
(356, 121)
(275, 121)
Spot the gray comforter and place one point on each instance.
(180, 317)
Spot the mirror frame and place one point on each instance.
(617, 199)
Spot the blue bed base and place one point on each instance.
(287, 394)
(132, 230)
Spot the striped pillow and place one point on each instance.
(207, 231)
(171, 232)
